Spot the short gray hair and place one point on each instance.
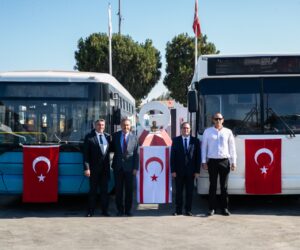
(184, 123)
(99, 120)
(125, 119)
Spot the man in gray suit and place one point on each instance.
(125, 164)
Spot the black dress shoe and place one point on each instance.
(90, 213)
(211, 212)
(106, 214)
(189, 213)
(177, 213)
(120, 213)
(225, 212)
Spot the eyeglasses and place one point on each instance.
(218, 119)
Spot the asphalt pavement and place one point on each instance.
(257, 222)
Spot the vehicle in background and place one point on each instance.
(258, 96)
(50, 107)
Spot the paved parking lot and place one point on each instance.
(255, 223)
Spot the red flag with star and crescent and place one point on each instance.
(196, 22)
(263, 166)
(40, 173)
(154, 177)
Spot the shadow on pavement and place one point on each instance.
(288, 205)
(75, 206)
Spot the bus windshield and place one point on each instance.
(33, 113)
(252, 105)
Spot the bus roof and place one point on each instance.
(201, 69)
(64, 76)
(248, 55)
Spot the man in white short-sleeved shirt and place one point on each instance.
(218, 157)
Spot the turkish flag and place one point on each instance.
(40, 173)
(263, 166)
(154, 178)
(196, 23)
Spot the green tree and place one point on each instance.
(135, 65)
(180, 57)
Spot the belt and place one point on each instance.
(217, 159)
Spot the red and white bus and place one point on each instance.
(259, 97)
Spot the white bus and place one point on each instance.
(259, 97)
(45, 107)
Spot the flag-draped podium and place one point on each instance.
(154, 178)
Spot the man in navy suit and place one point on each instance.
(125, 165)
(185, 166)
(96, 166)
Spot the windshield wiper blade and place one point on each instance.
(59, 140)
(291, 131)
(245, 120)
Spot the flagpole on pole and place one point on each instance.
(109, 39)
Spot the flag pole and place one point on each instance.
(109, 39)
(120, 17)
(196, 49)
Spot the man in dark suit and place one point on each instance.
(96, 165)
(125, 164)
(185, 166)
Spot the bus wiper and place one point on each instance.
(7, 130)
(291, 131)
(245, 120)
(60, 141)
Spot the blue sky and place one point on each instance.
(43, 34)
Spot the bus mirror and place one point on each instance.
(117, 117)
(192, 101)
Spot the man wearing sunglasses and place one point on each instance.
(218, 157)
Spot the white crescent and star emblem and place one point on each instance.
(38, 159)
(261, 151)
(267, 151)
(41, 178)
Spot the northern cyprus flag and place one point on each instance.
(154, 177)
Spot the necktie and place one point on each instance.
(124, 144)
(185, 145)
(100, 138)
(101, 144)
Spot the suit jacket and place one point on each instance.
(93, 157)
(127, 161)
(182, 163)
